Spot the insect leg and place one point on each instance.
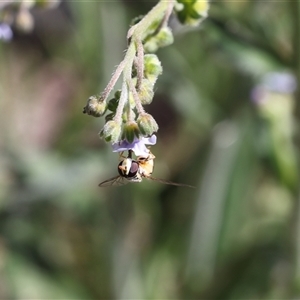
(129, 154)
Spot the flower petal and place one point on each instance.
(151, 140)
(140, 149)
(138, 146)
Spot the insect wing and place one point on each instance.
(114, 181)
(168, 182)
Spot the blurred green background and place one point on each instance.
(225, 127)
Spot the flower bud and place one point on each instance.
(113, 104)
(147, 124)
(111, 131)
(146, 92)
(164, 37)
(128, 116)
(130, 131)
(151, 45)
(95, 107)
(192, 12)
(118, 94)
(152, 67)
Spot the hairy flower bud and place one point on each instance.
(146, 92)
(111, 131)
(164, 37)
(192, 12)
(114, 102)
(147, 124)
(152, 67)
(130, 131)
(95, 107)
(151, 46)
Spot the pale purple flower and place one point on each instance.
(280, 82)
(6, 33)
(276, 82)
(138, 146)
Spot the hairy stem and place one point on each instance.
(161, 11)
(122, 102)
(136, 98)
(113, 80)
(140, 64)
(128, 60)
(156, 13)
(166, 18)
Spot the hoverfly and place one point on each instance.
(134, 170)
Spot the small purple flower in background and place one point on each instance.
(6, 33)
(279, 82)
(275, 82)
(138, 146)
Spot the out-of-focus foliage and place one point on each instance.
(236, 236)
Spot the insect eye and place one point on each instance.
(123, 168)
(133, 169)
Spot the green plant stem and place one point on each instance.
(156, 13)
(161, 11)
(136, 98)
(140, 64)
(166, 16)
(112, 81)
(128, 60)
(122, 102)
